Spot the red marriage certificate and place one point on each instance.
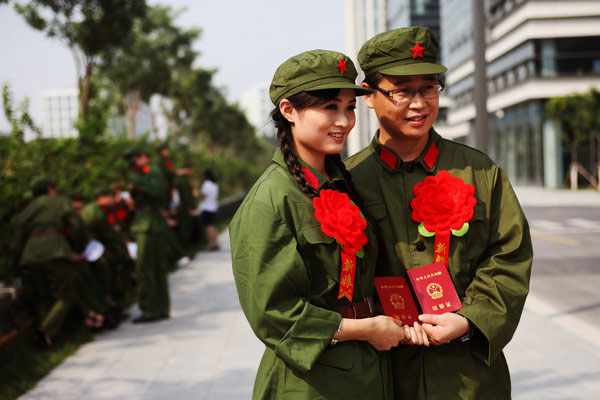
(396, 298)
(434, 289)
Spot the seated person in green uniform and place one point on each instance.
(97, 216)
(489, 261)
(304, 256)
(48, 238)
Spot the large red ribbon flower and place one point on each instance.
(443, 205)
(341, 219)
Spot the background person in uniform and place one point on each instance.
(209, 205)
(288, 272)
(48, 238)
(150, 231)
(185, 208)
(489, 265)
(97, 218)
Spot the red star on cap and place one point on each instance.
(342, 66)
(417, 51)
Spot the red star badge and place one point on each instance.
(417, 51)
(342, 66)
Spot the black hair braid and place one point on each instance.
(354, 195)
(285, 143)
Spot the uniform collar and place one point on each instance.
(391, 162)
(332, 170)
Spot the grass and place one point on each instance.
(24, 364)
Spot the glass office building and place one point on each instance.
(535, 50)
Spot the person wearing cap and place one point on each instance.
(489, 264)
(97, 216)
(150, 230)
(314, 313)
(47, 237)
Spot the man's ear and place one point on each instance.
(368, 97)
(287, 110)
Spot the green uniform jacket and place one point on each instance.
(287, 275)
(48, 229)
(490, 265)
(100, 229)
(150, 197)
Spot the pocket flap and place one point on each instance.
(376, 210)
(315, 234)
(478, 212)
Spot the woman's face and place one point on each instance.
(322, 129)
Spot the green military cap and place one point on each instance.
(132, 150)
(314, 70)
(404, 51)
(40, 184)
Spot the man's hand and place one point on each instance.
(442, 328)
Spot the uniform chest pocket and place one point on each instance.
(466, 248)
(478, 235)
(319, 251)
(376, 210)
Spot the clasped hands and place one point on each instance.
(436, 329)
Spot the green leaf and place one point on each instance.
(462, 231)
(425, 232)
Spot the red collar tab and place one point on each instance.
(431, 155)
(310, 177)
(169, 164)
(388, 158)
(146, 169)
(342, 66)
(417, 51)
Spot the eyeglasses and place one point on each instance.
(403, 95)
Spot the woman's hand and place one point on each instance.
(384, 333)
(380, 331)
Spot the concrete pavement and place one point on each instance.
(207, 350)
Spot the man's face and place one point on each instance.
(405, 119)
(141, 160)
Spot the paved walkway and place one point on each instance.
(207, 350)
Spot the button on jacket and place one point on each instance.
(287, 275)
(490, 265)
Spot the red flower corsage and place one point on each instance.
(341, 220)
(443, 205)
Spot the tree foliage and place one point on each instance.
(577, 116)
(87, 27)
(143, 64)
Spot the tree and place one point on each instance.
(20, 120)
(143, 64)
(87, 27)
(578, 118)
(190, 94)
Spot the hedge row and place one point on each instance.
(82, 168)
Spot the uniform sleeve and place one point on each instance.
(495, 298)
(273, 287)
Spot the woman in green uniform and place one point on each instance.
(296, 248)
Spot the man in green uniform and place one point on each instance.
(47, 239)
(95, 216)
(150, 231)
(489, 265)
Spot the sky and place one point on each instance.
(246, 40)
